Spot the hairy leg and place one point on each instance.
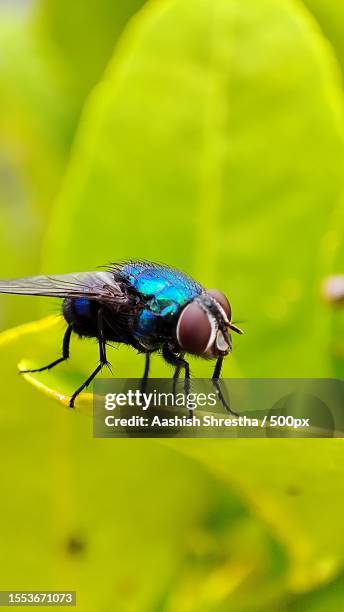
(145, 372)
(65, 354)
(102, 358)
(216, 383)
(179, 362)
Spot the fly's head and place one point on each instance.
(204, 326)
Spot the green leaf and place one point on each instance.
(333, 254)
(232, 540)
(33, 120)
(82, 37)
(330, 16)
(134, 503)
(34, 143)
(49, 64)
(214, 143)
(277, 480)
(329, 597)
(47, 68)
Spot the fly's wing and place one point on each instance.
(100, 286)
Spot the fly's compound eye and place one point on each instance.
(194, 331)
(222, 300)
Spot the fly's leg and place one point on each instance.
(176, 372)
(176, 376)
(102, 359)
(218, 368)
(85, 384)
(222, 399)
(216, 383)
(175, 380)
(178, 362)
(145, 372)
(65, 354)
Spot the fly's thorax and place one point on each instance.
(203, 325)
(163, 294)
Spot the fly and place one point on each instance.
(148, 306)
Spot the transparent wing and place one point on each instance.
(100, 286)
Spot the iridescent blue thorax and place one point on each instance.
(165, 292)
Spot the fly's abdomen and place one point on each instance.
(81, 314)
(83, 308)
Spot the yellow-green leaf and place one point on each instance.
(330, 16)
(214, 143)
(82, 37)
(118, 506)
(296, 487)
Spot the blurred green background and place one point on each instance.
(209, 136)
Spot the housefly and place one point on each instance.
(148, 306)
